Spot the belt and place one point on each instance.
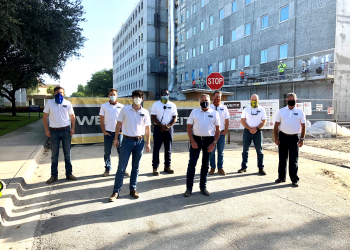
(59, 128)
(289, 134)
(203, 137)
(133, 137)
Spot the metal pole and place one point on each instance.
(336, 118)
(229, 137)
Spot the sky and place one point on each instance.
(103, 20)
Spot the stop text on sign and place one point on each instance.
(215, 80)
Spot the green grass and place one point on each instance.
(10, 123)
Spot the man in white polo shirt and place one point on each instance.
(224, 122)
(253, 120)
(108, 121)
(164, 116)
(203, 129)
(290, 121)
(136, 122)
(61, 117)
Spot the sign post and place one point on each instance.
(34, 108)
(215, 81)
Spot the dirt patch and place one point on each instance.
(341, 144)
(331, 174)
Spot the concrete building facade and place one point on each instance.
(227, 36)
(134, 46)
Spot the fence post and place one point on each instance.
(336, 118)
(229, 137)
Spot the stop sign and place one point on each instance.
(215, 81)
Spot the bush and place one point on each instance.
(20, 109)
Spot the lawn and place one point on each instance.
(10, 123)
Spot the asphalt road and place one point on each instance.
(243, 211)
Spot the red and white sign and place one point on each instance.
(331, 111)
(215, 81)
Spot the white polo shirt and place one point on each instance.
(223, 113)
(164, 115)
(134, 122)
(204, 122)
(59, 114)
(110, 113)
(290, 120)
(254, 116)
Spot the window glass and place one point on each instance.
(264, 22)
(247, 29)
(221, 14)
(211, 20)
(233, 63)
(284, 13)
(284, 51)
(234, 6)
(247, 60)
(221, 40)
(233, 35)
(263, 58)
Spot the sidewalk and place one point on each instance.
(19, 153)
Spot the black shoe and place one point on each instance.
(295, 184)
(205, 191)
(242, 170)
(52, 179)
(261, 171)
(280, 180)
(187, 193)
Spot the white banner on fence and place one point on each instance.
(307, 108)
(235, 109)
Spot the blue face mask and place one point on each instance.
(58, 98)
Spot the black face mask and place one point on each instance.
(204, 105)
(291, 103)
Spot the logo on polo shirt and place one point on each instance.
(295, 113)
(222, 109)
(169, 107)
(65, 106)
(210, 116)
(142, 114)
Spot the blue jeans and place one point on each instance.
(136, 148)
(257, 138)
(220, 146)
(203, 144)
(159, 138)
(108, 143)
(281, 76)
(56, 137)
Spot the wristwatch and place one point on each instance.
(302, 138)
(215, 142)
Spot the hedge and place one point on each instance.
(20, 109)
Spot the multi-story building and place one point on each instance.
(140, 42)
(254, 35)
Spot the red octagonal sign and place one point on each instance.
(215, 81)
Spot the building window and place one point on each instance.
(186, 76)
(186, 55)
(194, 52)
(194, 8)
(210, 69)
(221, 40)
(202, 25)
(211, 20)
(182, 37)
(182, 18)
(247, 2)
(187, 13)
(247, 29)
(221, 14)
(233, 63)
(284, 13)
(233, 35)
(264, 22)
(187, 34)
(202, 49)
(211, 43)
(263, 58)
(193, 74)
(247, 60)
(180, 77)
(283, 51)
(202, 3)
(194, 30)
(234, 6)
(221, 65)
(200, 72)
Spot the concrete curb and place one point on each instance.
(17, 185)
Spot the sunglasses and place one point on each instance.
(165, 94)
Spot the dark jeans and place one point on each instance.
(136, 148)
(220, 146)
(108, 143)
(159, 138)
(203, 144)
(288, 145)
(281, 76)
(257, 138)
(56, 137)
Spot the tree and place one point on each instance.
(50, 89)
(42, 35)
(80, 92)
(100, 83)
